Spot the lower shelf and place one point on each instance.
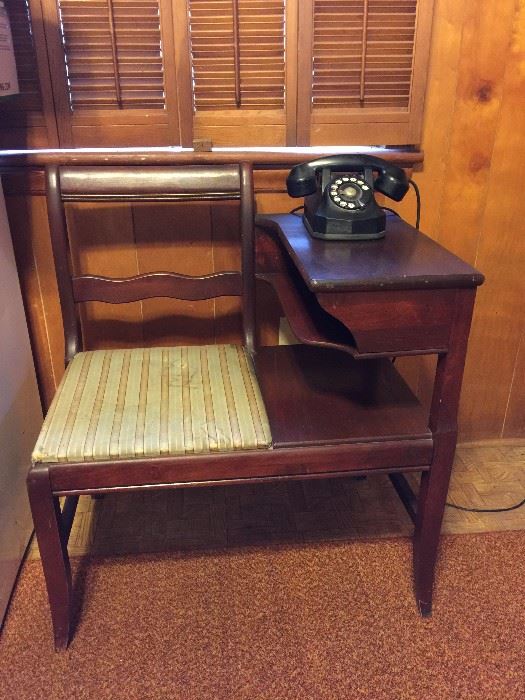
(319, 396)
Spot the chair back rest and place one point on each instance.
(149, 184)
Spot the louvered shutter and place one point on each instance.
(363, 52)
(113, 54)
(367, 60)
(115, 58)
(237, 52)
(233, 72)
(260, 62)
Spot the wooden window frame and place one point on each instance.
(106, 127)
(217, 125)
(297, 124)
(369, 126)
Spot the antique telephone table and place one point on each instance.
(332, 405)
(369, 302)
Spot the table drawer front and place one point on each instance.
(397, 321)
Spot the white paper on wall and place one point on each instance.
(8, 77)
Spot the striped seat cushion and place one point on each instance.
(124, 404)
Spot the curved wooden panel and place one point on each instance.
(156, 284)
(309, 323)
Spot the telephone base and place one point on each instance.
(342, 236)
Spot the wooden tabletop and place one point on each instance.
(404, 259)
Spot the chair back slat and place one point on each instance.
(150, 184)
(156, 284)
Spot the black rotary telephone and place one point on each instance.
(339, 199)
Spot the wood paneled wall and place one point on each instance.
(474, 141)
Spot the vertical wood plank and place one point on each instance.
(514, 423)
(292, 57)
(304, 71)
(500, 317)
(425, 10)
(32, 245)
(183, 71)
(170, 75)
(57, 69)
(486, 38)
(447, 32)
(37, 27)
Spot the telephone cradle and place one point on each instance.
(338, 191)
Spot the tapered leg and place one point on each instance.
(443, 424)
(52, 542)
(429, 517)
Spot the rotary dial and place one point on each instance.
(350, 193)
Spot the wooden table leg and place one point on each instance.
(429, 517)
(443, 423)
(52, 542)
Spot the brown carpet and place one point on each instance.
(306, 620)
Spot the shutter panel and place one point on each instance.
(238, 72)
(113, 54)
(260, 63)
(237, 50)
(115, 58)
(368, 58)
(363, 53)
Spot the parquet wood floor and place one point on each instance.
(485, 475)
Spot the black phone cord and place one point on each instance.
(418, 202)
(486, 510)
(297, 209)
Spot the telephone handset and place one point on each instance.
(339, 199)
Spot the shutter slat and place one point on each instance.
(261, 54)
(92, 73)
(337, 53)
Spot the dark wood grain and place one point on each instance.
(248, 255)
(394, 321)
(153, 183)
(406, 494)
(417, 451)
(60, 246)
(139, 184)
(51, 533)
(243, 466)
(404, 259)
(328, 397)
(403, 294)
(443, 423)
(156, 284)
(310, 324)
